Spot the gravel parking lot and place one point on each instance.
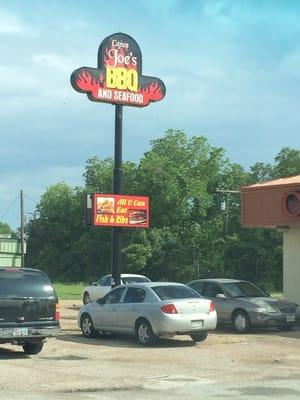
(260, 365)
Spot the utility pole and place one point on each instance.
(22, 227)
(227, 205)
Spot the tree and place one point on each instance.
(181, 176)
(98, 176)
(287, 163)
(53, 233)
(176, 173)
(5, 229)
(260, 172)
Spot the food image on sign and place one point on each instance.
(121, 210)
(105, 205)
(137, 216)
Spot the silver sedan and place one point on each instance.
(243, 305)
(149, 310)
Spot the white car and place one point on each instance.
(149, 311)
(99, 289)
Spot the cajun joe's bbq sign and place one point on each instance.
(118, 78)
(120, 211)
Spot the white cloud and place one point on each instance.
(11, 24)
(53, 60)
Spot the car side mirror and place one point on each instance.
(220, 296)
(101, 301)
(95, 284)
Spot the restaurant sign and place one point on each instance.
(120, 211)
(118, 78)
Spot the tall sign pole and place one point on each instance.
(22, 227)
(116, 262)
(118, 80)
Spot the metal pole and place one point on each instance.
(227, 213)
(227, 192)
(22, 228)
(116, 265)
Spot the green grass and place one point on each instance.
(69, 291)
(278, 295)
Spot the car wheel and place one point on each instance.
(86, 298)
(144, 333)
(241, 321)
(87, 326)
(32, 347)
(199, 337)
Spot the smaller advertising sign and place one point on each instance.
(121, 211)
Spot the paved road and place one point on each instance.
(259, 366)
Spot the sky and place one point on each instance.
(231, 70)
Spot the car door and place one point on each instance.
(131, 308)
(210, 291)
(105, 316)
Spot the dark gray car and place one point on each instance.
(243, 305)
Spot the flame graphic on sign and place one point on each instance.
(86, 82)
(152, 92)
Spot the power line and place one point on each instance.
(9, 208)
(28, 197)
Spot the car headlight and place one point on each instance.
(266, 309)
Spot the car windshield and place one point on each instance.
(135, 279)
(167, 292)
(243, 289)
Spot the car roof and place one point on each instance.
(218, 280)
(128, 275)
(153, 284)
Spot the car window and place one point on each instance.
(108, 281)
(198, 286)
(102, 280)
(114, 296)
(167, 292)
(105, 281)
(212, 289)
(244, 289)
(135, 295)
(24, 283)
(135, 279)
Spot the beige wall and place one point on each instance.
(291, 264)
(10, 251)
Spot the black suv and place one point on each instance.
(29, 310)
